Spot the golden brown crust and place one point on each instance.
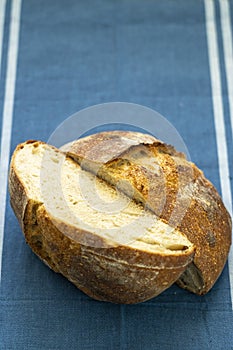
(108, 274)
(118, 274)
(18, 193)
(178, 193)
(210, 231)
(106, 146)
(125, 253)
(25, 208)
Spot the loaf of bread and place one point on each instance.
(174, 189)
(107, 243)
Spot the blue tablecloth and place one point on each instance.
(74, 54)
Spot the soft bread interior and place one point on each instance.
(82, 200)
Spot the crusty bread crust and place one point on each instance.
(120, 274)
(179, 194)
(25, 209)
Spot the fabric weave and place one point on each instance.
(74, 54)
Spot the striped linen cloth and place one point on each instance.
(57, 57)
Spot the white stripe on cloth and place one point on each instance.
(12, 58)
(228, 51)
(217, 100)
(2, 21)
